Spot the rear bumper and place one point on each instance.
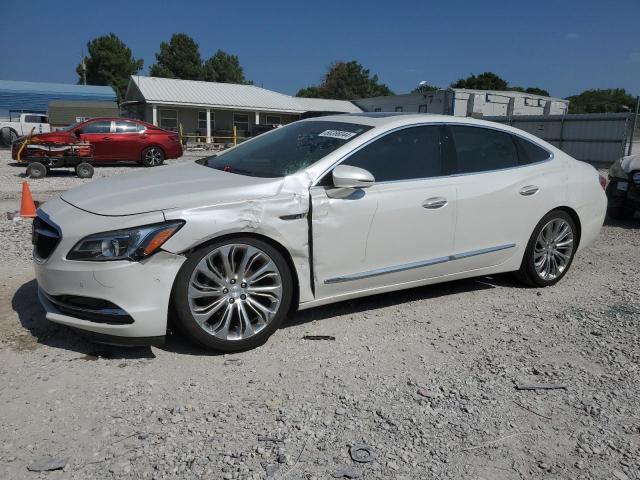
(174, 150)
(623, 193)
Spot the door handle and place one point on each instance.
(434, 203)
(529, 190)
(106, 138)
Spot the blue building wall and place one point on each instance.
(35, 96)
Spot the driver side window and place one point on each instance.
(407, 154)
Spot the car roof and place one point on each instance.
(398, 119)
(93, 119)
(391, 120)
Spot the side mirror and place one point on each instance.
(78, 133)
(346, 176)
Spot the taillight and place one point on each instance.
(173, 138)
(603, 182)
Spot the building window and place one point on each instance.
(273, 120)
(377, 109)
(241, 122)
(398, 109)
(169, 120)
(202, 121)
(422, 108)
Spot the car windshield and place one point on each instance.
(286, 150)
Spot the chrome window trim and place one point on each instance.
(426, 124)
(410, 266)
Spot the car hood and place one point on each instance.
(161, 188)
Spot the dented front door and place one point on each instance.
(389, 233)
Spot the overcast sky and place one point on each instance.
(564, 46)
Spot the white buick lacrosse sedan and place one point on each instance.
(319, 211)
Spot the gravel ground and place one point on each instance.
(423, 379)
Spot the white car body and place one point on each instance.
(339, 248)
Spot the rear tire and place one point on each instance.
(550, 250)
(36, 170)
(152, 157)
(7, 136)
(234, 304)
(84, 170)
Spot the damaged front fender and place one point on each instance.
(281, 218)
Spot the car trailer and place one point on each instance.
(40, 167)
(42, 157)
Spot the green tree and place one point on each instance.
(347, 81)
(109, 62)
(180, 58)
(424, 87)
(223, 67)
(611, 100)
(484, 81)
(537, 91)
(531, 90)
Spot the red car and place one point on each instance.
(118, 139)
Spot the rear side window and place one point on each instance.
(101, 126)
(529, 152)
(483, 149)
(123, 126)
(410, 153)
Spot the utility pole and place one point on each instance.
(84, 70)
(633, 126)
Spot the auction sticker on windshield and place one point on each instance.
(340, 134)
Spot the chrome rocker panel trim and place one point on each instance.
(411, 266)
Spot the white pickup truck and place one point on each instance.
(22, 124)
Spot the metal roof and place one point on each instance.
(35, 96)
(169, 91)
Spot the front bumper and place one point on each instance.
(139, 292)
(124, 299)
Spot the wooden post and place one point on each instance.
(235, 135)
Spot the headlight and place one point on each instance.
(129, 244)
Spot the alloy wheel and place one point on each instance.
(553, 249)
(235, 292)
(153, 157)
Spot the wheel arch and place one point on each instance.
(574, 216)
(274, 243)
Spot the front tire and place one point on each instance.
(36, 170)
(550, 250)
(152, 157)
(233, 294)
(84, 170)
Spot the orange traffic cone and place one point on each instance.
(27, 206)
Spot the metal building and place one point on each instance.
(468, 103)
(210, 110)
(64, 112)
(35, 96)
